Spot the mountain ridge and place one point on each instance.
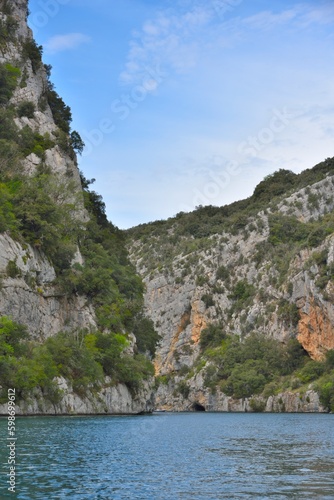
(251, 266)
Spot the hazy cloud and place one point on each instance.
(171, 39)
(69, 41)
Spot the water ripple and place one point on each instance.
(175, 456)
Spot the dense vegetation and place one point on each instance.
(83, 358)
(34, 213)
(259, 366)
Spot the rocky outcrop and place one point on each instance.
(29, 295)
(316, 329)
(110, 400)
(200, 399)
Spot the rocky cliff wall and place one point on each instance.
(29, 293)
(202, 399)
(185, 297)
(110, 400)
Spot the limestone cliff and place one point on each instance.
(253, 275)
(30, 297)
(110, 400)
(40, 285)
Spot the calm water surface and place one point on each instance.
(173, 456)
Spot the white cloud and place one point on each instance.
(320, 14)
(177, 38)
(171, 39)
(243, 87)
(267, 20)
(302, 15)
(69, 41)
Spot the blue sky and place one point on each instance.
(190, 102)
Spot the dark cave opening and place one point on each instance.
(198, 407)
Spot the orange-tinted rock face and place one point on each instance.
(198, 323)
(315, 331)
(192, 319)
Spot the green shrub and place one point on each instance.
(33, 142)
(325, 387)
(44, 222)
(274, 184)
(222, 273)
(133, 370)
(241, 295)
(11, 336)
(329, 360)
(8, 81)
(61, 112)
(183, 389)
(284, 229)
(317, 236)
(76, 142)
(257, 405)
(208, 300)
(242, 291)
(210, 376)
(288, 313)
(26, 108)
(12, 270)
(82, 358)
(246, 380)
(295, 357)
(9, 159)
(7, 216)
(32, 51)
(211, 336)
(311, 371)
(163, 380)
(201, 280)
(242, 369)
(146, 335)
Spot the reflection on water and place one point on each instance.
(174, 456)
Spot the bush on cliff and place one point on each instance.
(83, 358)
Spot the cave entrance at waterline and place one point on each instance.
(197, 407)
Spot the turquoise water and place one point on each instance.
(173, 456)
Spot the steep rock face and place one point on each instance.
(316, 323)
(202, 399)
(199, 288)
(30, 297)
(29, 292)
(32, 87)
(110, 400)
(315, 329)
